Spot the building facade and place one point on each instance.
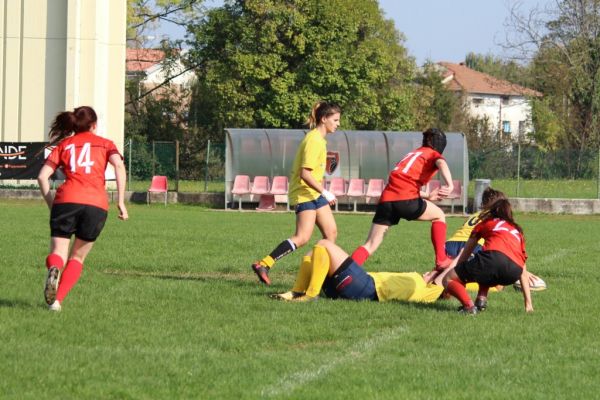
(506, 105)
(57, 55)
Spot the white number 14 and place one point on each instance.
(83, 160)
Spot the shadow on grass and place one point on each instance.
(6, 303)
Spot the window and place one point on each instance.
(505, 100)
(506, 127)
(477, 101)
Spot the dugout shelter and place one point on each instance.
(351, 155)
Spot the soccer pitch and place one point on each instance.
(167, 307)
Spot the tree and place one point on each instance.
(563, 44)
(265, 63)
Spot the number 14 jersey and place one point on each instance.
(413, 171)
(83, 158)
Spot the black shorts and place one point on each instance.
(390, 212)
(83, 221)
(489, 268)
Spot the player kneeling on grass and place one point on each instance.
(457, 242)
(330, 268)
(501, 262)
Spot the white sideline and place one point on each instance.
(288, 383)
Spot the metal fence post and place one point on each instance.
(206, 168)
(129, 166)
(153, 158)
(177, 165)
(519, 167)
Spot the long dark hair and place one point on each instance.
(490, 196)
(502, 209)
(321, 110)
(67, 123)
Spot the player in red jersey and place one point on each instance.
(501, 262)
(401, 197)
(80, 205)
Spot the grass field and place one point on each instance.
(167, 307)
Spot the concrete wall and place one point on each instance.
(56, 55)
(216, 200)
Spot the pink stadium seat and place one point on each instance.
(374, 189)
(159, 184)
(456, 194)
(432, 185)
(356, 188)
(241, 186)
(280, 188)
(261, 186)
(337, 186)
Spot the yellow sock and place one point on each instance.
(304, 274)
(267, 261)
(320, 268)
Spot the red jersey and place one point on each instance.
(413, 171)
(83, 158)
(501, 236)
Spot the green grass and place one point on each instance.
(559, 189)
(167, 307)
(184, 186)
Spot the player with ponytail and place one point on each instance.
(501, 262)
(80, 206)
(307, 192)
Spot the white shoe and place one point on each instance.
(51, 285)
(55, 306)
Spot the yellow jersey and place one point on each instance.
(464, 232)
(406, 286)
(312, 154)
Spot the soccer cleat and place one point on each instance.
(481, 303)
(442, 265)
(55, 306)
(287, 296)
(51, 285)
(262, 272)
(468, 310)
(305, 299)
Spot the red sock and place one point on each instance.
(54, 260)
(438, 239)
(360, 255)
(457, 289)
(483, 291)
(68, 279)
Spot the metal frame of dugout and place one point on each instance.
(362, 154)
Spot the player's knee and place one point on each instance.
(331, 234)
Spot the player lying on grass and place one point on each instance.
(501, 261)
(456, 243)
(330, 268)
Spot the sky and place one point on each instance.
(440, 30)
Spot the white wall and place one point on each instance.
(56, 55)
(518, 109)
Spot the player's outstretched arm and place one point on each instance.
(45, 174)
(525, 289)
(446, 189)
(121, 175)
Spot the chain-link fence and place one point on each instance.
(187, 170)
(518, 170)
(528, 171)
